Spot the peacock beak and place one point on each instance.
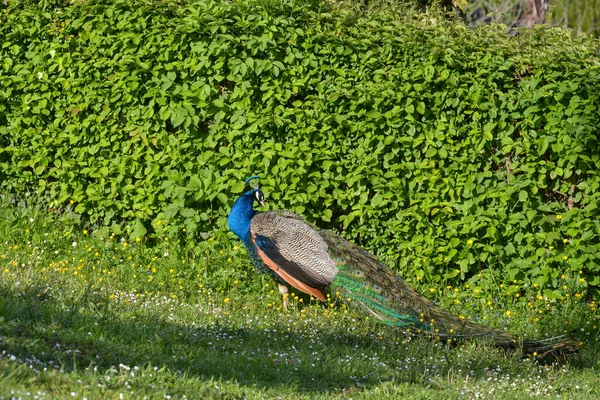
(262, 202)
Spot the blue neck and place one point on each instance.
(240, 216)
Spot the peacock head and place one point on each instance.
(255, 193)
(243, 210)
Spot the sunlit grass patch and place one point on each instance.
(85, 313)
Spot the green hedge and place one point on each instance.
(446, 150)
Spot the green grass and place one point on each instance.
(84, 315)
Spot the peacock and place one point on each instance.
(319, 262)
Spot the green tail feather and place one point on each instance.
(374, 289)
(373, 302)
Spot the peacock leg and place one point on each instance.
(283, 289)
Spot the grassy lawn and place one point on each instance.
(87, 314)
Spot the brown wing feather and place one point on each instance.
(292, 246)
(287, 277)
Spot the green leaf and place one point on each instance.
(177, 119)
(542, 145)
(237, 187)
(222, 198)
(523, 196)
(509, 248)
(138, 231)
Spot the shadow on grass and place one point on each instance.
(95, 333)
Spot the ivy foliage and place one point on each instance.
(447, 150)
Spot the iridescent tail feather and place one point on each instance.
(373, 288)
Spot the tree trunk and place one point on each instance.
(534, 12)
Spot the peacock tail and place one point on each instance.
(376, 289)
(319, 262)
(368, 285)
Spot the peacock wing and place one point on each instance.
(294, 251)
